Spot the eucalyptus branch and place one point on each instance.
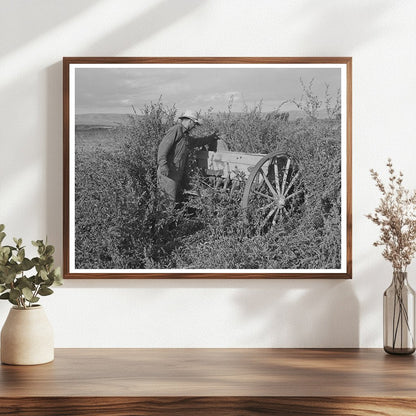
(16, 284)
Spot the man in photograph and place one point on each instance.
(173, 154)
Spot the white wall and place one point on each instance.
(380, 35)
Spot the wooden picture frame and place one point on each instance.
(294, 220)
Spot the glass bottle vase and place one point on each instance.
(399, 316)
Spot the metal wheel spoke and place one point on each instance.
(276, 175)
(285, 175)
(259, 181)
(269, 215)
(264, 195)
(274, 190)
(275, 216)
(266, 207)
(259, 184)
(294, 193)
(269, 185)
(292, 182)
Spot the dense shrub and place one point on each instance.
(122, 220)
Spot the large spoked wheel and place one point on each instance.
(274, 190)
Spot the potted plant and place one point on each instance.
(27, 336)
(396, 217)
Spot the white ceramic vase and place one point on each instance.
(27, 337)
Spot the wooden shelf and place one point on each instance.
(212, 382)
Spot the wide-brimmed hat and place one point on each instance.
(192, 115)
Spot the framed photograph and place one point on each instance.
(207, 168)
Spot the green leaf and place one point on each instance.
(2, 227)
(43, 275)
(21, 255)
(35, 261)
(4, 255)
(7, 296)
(14, 268)
(57, 275)
(18, 242)
(2, 236)
(26, 264)
(2, 288)
(9, 277)
(37, 243)
(15, 294)
(47, 260)
(38, 280)
(13, 302)
(49, 250)
(5, 250)
(27, 293)
(45, 291)
(24, 282)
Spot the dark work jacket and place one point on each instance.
(174, 150)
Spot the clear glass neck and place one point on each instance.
(400, 276)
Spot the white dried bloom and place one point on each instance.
(396, 217)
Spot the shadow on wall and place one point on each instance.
(4, 311)
(309, 313)
(40, 15)
(44, 16)
(162, 15)
(54, 146)
(301, 313)
(351, 25)
(158, 17)
(375, 277)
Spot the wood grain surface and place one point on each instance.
(212, 381)
(207, 406)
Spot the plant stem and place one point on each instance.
(36, 291)
(401, 314)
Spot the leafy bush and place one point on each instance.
(122, 220)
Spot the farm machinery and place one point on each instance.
(272, 183)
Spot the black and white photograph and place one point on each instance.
(207, 169)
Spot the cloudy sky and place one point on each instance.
(115, 90)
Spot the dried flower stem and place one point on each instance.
(396, 216)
